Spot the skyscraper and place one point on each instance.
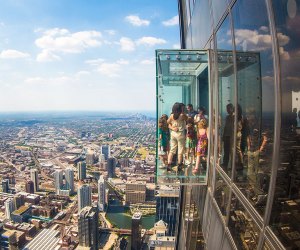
(167, 206)
(29, 187)
(105, 149)
(136, 240)
(69, 177)
(5, 186)
(88, 228)
(84, 196)
(9, 208)
(111, 165)
(90, 158)
(34, 176)
(58, 180)
(101, 194)
(81, 170)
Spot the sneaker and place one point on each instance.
(187, 162)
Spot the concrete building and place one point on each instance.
(90, 158)
(47, 239)
(88, 233)
(160, 239)
(29, 187)
(135, 192)
(5, 186)
(9, 208)
(105, 150)
(84, 197)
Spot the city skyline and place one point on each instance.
(60, 56)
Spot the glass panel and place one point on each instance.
(201, 24)
(182, 79)
(285, 217)
(243, 229)
(255, 111)
(222, 194)
(218, 8)
(226, 95)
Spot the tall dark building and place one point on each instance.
(88, 232)
(136, 238)
(167, 207)
(29, 187)
(111, 167)
(105, 149)
(5, 186)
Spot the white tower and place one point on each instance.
(101, 194)
(58, 180)
(34, 176)
(9, 208)
(84, 196)
(69, 176)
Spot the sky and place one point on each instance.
(96, 55)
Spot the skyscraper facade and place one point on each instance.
(101, 194)
(88, 228)
(111, 166)
(9, 208)
(249, 84)
(34, 176)
(81, 170)
(69, 177)
(84, 196)
(5, 186)
(105, 150)
(136, 238)
(29, 187)
(58, 180)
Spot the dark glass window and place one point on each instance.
(285, 217)
(255, 109)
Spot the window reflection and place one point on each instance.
(285, 217)
(255, 110)
(242, 227)
(226, 96)
(222, 194)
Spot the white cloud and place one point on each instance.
(123, 61)
(62, 40)
(284, 54)
(111, 32)
(264, 28)
(82, 73)
(109, 69)
(137, 21)
(150, 41)
(95, 62)
(127, 44)
(147, 62)
(176, 46)
(171, 22)
(47, 56)
(13, 54)
(282, 39)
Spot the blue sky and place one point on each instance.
(82, 55)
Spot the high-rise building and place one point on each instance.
(69, 177)
(135, 192)
(167, 207)
(5, 186)
(136, 236)
(105, 150)
(90, 158)
(58, 180)
(29, 187)
(88, 228)
(9, 208)
(245, 192)
(111, 166)
(101, 194)
(84, 196)
(81, 170)
(34, 176)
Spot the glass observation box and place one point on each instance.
(194, 94)
(182, 83)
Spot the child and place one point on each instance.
(202, 144)
(164, 138)
(191, 141)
